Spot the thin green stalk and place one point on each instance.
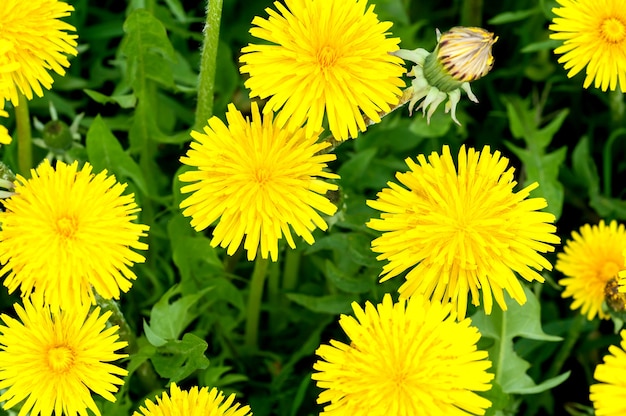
(208, 63)
(568, 344)
(616, 106)
(257, 283)
(472, 13)
(273, 296)
(607, 161)
(291, 269)
(24, 137)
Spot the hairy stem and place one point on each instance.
(208, 63)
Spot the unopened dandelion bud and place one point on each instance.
(57, 135)
(462, 55)
(465, 53)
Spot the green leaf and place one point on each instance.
(353, 170)
(105, 152)
(608, 207)
(148, 51)
(503, 326)
(192, 252)
(332, 304)
(152, 336)
(124, 101)
(177, 360)
(543, 45)
(511, 17)
(544, 169)
(347, 283)
(169, 320)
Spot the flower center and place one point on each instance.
(67, 227)
(60, 359)
(613, 30)
(609, 270)
(326, 57)
(262, 175)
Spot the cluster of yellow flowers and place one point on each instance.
(69, 234)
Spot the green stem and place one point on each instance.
(472, 13)
(616, 106)
(208, 63)
(568, 344)
(273, 296)
(24, 137)
(255, 297)
(291, 269)
(607, 161)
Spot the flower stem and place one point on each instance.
(257, 282)
(24, 137)
(616, 106)
(291, 269)
(472, 13)
(407, 94)
(208, 63)
(566, 348)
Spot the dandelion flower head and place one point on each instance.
(51, 359)
(67, 232)
(460, 230)
(325, 58)
(406, 358)
(594, 38)
(33, 41)
(193, 402)
(591, 260)
(260, 180)
(608, 395)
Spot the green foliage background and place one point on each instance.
(135, 79)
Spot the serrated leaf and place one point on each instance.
(106, 152)
(148, 51)
(169, 320)
(178, 359)
(152, 336)
(503, 326)
(124, 101)
(346, 283)
(332, 304)
(544, 169)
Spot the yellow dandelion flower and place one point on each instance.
(594, 35)
(406, 358)
(193, 403)
(326, 59)
(462, 55)
(68, 232)
(462, 230)
(590, 260)
(35, 41)
(52, 359)
(609, 395)
(259, 180)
